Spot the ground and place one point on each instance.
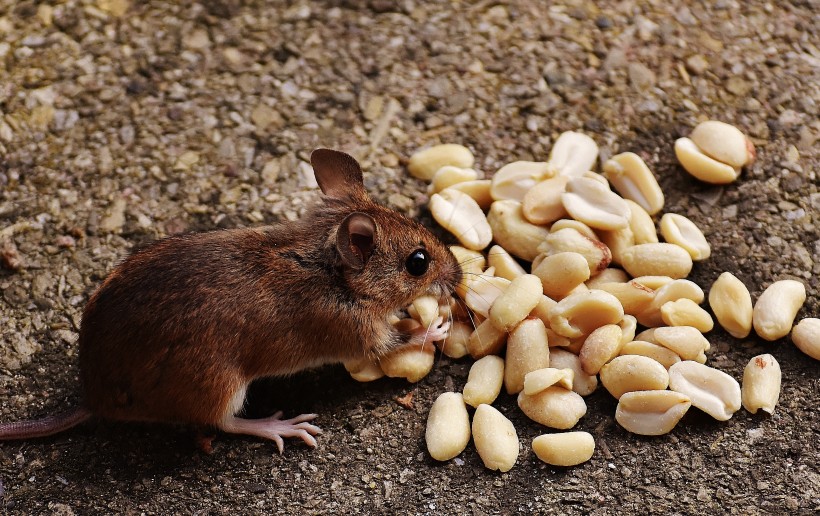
(122, 122)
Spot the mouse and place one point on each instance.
(179, 329)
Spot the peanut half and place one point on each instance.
(459, 214)
(495, 438)
(555, 407)
(516, 302)
(564, 449)
(776, 308)
(600, 347)
(806, 336)
(662, 259)
(761, 384)
(723, 142)
(677, 229)
(513, 232)
(425, 163)
(632, 178)
(710, 390)
(594, 204)
(504, 264)
(560, 273)
(448, 427)
(666, 357)
(582, 383)
(597, 255)
(412, 362)
(527, 350)
(573, 154)
(542, 203)
(449, 175)
(651, 412)
(703, 167)
(514, 180)
(538, 380)
(580, 314)
(628, 373)
(732, 305)
(484, 381)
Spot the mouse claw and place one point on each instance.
(275, 428)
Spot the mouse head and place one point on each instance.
(388, 259)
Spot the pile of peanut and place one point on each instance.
(574, 319)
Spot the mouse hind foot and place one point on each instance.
(275, 428)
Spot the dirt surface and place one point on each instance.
(124, 122)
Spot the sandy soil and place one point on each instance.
(124, 122)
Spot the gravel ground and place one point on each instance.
(122, 122)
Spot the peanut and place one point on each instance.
(564, 449)
(484, 381)
(448, 427)
(710, 390)
(776, 308)
(424, 164)
(495, 438)
(761, 384)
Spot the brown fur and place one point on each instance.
(183, 325)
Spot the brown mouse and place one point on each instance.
(179, 329)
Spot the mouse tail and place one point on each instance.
(44, 427)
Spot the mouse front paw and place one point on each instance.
(437, 331)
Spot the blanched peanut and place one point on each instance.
(608, 275)
(687, 342)
(505, 265)
(600, 347)
(761, 384)
(479, 190)
(455, 345)
(632, 179)
(427, 309)
(554, 407)
(573, 153)
(628, 373)
(542, 203)
(678, 230)
(562, 272)
(542, 310)
(448, 427)
(468, 260)
(516, 302)
(685, 312)
(564, 449)
(596, 253)
(710, 390)
(577, 225)
(671, 291)
(527, 350)
(806, 336)
(581, 313)
(424, 164)
(628, 325)
(459, 214)
(449, 175)
(641, 224)
(539, 379)
(723, 142)
(514, 233)
(514, 180)
(651, 412)
(777, 307)
(411, 361)
(618, 241)
(495, 438)
(484, 381)
(657, 259)
(364, 370)
(594, 204)
(486, 340)
(665, 357)
(597, 177)
(482, 291)
(655, 282)
(634, 297)
(582, 383)
(703, 167)
(732, 305)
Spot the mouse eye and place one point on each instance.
(418, 262)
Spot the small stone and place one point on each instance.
(374, 108)
(115, 8)
(233, 56)
(263, 116)
(738, 86)
(641, 77)
(697, 64)
(186, 160)
(114, 221)
(270, 172)
(197, 40)
(9, 255)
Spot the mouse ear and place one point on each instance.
(355, 239)
(338, 174)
